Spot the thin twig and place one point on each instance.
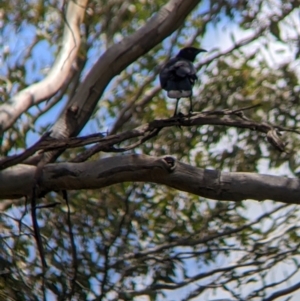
(112, 241)
(227, 111)
(73, 246)
(16, 159)
(38, 239)
(48, 205)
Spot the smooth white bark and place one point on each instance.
(38, 92)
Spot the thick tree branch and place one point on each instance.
(58, 74)
(18, 181)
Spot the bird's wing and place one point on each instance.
(183, 68)
(177, 69)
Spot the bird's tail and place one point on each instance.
(179, 93)
(179, 88)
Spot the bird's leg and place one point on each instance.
(175, 112)
(191, 105)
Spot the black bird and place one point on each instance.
(178, 76)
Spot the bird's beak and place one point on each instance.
(201, 50)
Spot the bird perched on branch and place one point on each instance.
(178, 76)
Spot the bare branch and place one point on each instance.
(73, 248)
(58, 74)
(214, 184)
(234, 118)
(16, 159)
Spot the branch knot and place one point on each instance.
(171, 162)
